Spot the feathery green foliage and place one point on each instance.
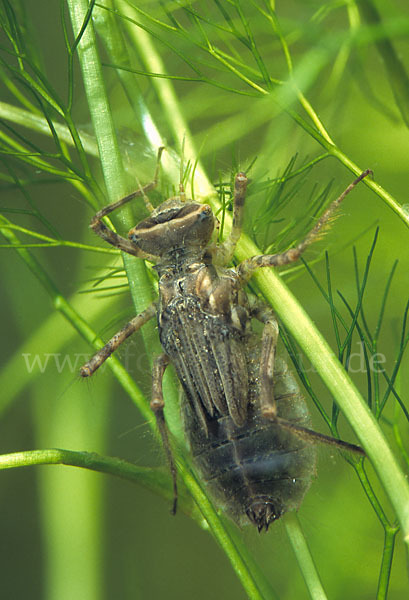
(297, 97)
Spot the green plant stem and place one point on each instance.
(113, 40)
(333, 150)
(304, 558)
(153, 479)
(108, 148)
(386, 565)
(390, 531)
(93, 80)
(109, 151)
(115, 184)
(167, 97)
(396, 431)
(253, 582)
(51, 242)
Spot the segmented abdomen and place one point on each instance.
(259, 470)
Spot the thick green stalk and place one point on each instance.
(101, 117)
(167, 97)
(115, 183)
(153, 479)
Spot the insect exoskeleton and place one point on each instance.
(246, 421)
(258, 470)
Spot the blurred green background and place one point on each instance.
(66, 533)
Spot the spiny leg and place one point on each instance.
(246, 269)
(140, 192)
(313, 437)
(108, 234)
(267, 358)
(224, 253)
(100, 357)
(157, 405)
(268, 403)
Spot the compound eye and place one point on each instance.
(188, 213)
(174, 226)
